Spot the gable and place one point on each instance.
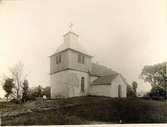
(119, 81)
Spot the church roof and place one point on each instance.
(100, 70)
(105, 75)
(105, 80)
(71, 42)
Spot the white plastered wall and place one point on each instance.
(68, 83)
(109, 90)
(58, 88)
(99, 90)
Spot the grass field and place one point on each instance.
(85, 110)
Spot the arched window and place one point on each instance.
(82, 84)
(119, 91)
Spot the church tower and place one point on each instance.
(69, 68)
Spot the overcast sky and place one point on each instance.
(122, 34)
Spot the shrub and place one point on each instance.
(15, 101)
(158, 93)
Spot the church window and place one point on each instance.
(82, 84)
(81, 59)
(58, 59)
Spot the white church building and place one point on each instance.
(72, 73)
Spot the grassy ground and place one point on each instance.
(88, 110)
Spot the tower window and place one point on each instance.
(81, 59)
(58, 59)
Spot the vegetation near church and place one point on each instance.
(17, 86)
(25, 91)
(17, 74)
(156, 75)
(134, 86)
(15, 83)
(8, 86)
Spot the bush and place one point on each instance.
(158, 98)
(158, 93)
(146, 96)
(15, 101)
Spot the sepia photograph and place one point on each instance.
(83, 62)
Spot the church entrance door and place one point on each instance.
(119, 91)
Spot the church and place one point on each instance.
(72, 73)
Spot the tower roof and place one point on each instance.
(71, 42)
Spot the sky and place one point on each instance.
(122, 34)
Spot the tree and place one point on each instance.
(39, 92)
(130, 91)
(35, 92)
(158, 92)
(155, 74)
(25, 91)
(8, 86)
(18, 76)
(134, 86)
